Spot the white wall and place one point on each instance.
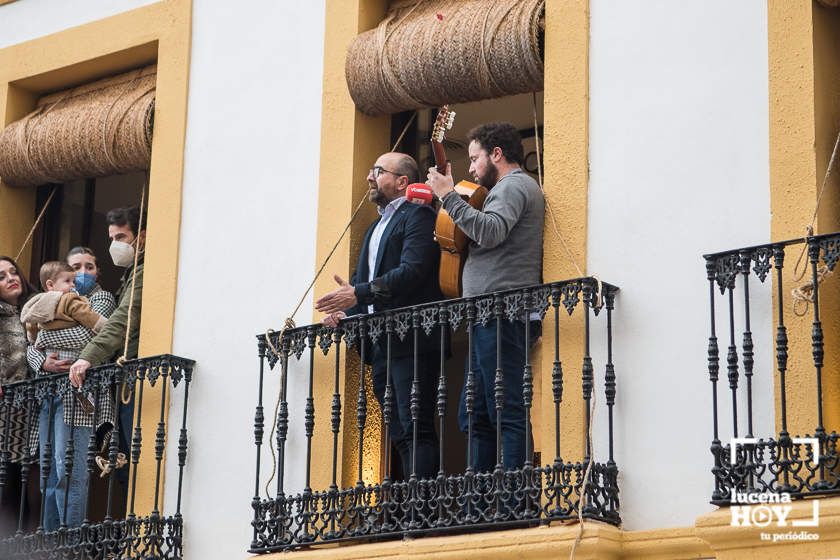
(679, 167)
(28, 19)
(247, 246)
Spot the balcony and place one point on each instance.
(800, 466)
(116, 532)
(293, 516)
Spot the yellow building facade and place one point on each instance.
(802, 39)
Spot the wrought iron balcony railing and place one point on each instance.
(783, 464)
(537, 492)
(118, 533)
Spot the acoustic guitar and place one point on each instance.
(453, 242)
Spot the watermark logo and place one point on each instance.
(772, 509)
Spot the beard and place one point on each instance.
(490, 177)
(377, 196)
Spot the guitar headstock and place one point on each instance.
(444, 121)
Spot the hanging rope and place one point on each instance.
(37, 222)
(597, 304)
(598, 296)
(803, 295)
(289, 323)
(140, 225)
(586, 474)
(548, 204)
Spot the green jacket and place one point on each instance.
(109, 343)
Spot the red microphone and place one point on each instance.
(419, 193)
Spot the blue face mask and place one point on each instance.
(85, 283)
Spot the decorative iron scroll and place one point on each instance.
(536, 492)
(153, 536)
(784, 463)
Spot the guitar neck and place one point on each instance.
(440, 156)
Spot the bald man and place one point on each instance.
(397, 267)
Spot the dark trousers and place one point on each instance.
(484, 364)
(402, 427)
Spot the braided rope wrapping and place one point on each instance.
(94, 130)
(441, 51)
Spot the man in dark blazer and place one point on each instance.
(397, 267)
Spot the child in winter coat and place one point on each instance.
(58, 307)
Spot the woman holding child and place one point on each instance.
(64, 322)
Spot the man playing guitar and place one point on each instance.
(505, 252)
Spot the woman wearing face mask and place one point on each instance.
(14, 292)
(54, 351)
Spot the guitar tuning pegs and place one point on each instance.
(450, 120)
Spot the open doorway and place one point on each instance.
(518, 110)
(76, 216)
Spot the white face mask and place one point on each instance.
(121, 253)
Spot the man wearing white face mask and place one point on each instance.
(123, 225)
(108, 345)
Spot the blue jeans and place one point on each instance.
(483, 352)
(402, 428)
(58, 493)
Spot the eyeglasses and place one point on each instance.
(377, 170)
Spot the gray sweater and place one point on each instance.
(507, 234)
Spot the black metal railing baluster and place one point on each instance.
(259, 426)
(28, 459)
(46, 456)
(141, 373)
(5, 454)
(747, 341)
(609, 373)
(335, 425)
(781, 364)
(713, 361)
(557, 397)
(443, 316)
(93, 381)
(588, 385)
(499, 401)
(113, 447)
(732, 358)
(527, 396)
(469, 405)
(361, 402)
(818, 351)
(309, 426)
(387, 418)
(282, 429)
(68, 455)
(414, 410)
(182, 441)
(160, 436)
(361, 421)
(610, 392)
(587, 371)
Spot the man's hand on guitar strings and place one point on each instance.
(442, 185)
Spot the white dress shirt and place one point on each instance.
(376, 236)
